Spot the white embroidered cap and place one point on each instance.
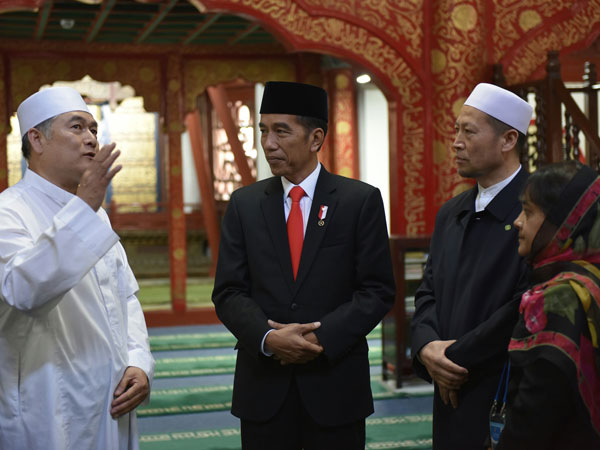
(501, 104)
(46, 104)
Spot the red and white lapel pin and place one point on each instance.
(322, 215)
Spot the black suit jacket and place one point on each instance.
(344, 281)
(470, 292)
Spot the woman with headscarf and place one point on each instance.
(554, 389)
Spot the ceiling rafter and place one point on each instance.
(132, 22)
(20, 5)
(42, 21)
(156, 21)
(212, 18)
(99, 20)
(242, 34)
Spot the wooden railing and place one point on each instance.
(550, 138)
(153, 216)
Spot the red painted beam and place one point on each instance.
(20, 5)
(209, 207)
(219, 99)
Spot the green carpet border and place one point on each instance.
(197, 399)
(198, 341)
(192, 366)
(382, 433)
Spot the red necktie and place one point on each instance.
(295, 227)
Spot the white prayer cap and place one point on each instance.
(46, 104)
(501, 104)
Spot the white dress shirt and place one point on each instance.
(486, 195)
(70, 323)
(308, 185)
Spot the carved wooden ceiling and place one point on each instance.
(152, 22)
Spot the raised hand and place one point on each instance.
(95, 179)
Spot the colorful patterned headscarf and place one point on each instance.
(560, 314)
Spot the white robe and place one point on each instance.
(70, 323)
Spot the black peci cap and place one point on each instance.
(298, 99)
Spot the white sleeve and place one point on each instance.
(138, 343)
(37, 274)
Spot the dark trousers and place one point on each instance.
(292, 428)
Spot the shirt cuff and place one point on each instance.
(262, 344)
(142, 360)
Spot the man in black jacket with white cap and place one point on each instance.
(467, 304)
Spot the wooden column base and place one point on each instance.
(169, 318)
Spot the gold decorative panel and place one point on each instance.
(531, 55)
(513, 19)
(28, 74)
(134, 131)
(401, 21)
(458, 59)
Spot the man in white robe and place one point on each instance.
(75, 360)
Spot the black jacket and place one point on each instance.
(344, 280)
(471, 290)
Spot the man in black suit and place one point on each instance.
(301, 297)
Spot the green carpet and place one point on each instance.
(193, 341)
(382, 433)
(194, 366)
(219, 364)
(218, 398)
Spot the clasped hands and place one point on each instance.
(293, 343)
(447, 375)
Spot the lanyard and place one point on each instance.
(498, 411)
(505, 369)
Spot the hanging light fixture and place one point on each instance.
(67, 24)
(363, 79)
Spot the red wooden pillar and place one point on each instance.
(554, 144)
(177, 231)
(343, 122)
(203, 171)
